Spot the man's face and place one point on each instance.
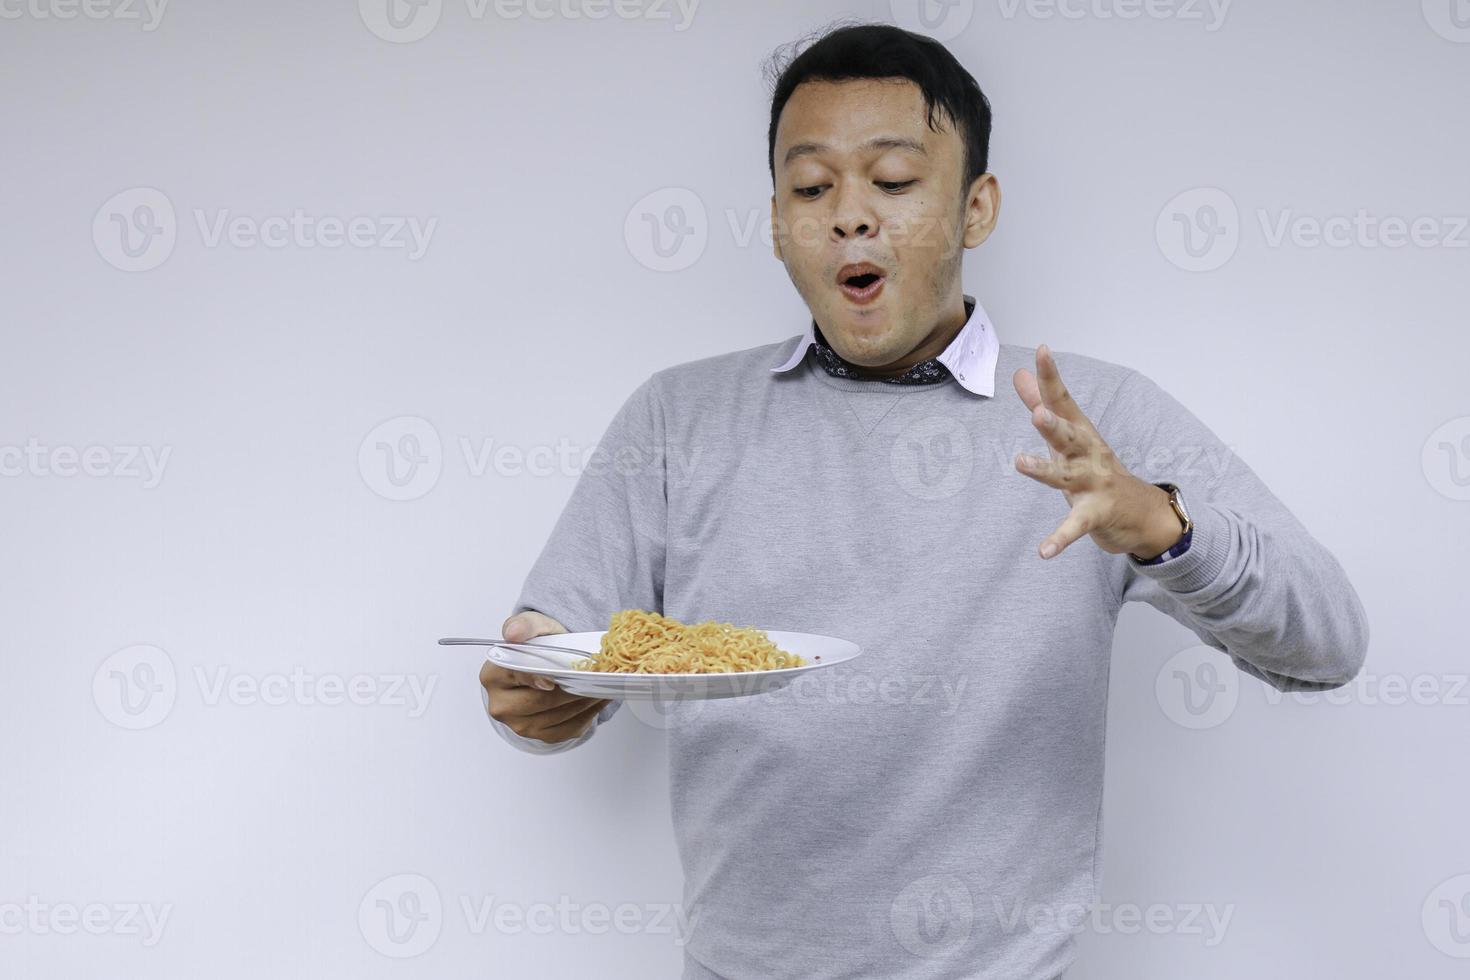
(862, 179)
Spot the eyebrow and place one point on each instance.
(877, 143)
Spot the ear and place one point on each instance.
(775, 233)
(982, 209)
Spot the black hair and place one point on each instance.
(884, 51)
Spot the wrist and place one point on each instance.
(1163, 529)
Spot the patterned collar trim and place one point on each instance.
(924, 373)
(927, 372)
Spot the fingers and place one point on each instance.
(1073, 527)
(521, 678)
(531, 704)
(1053, 392)
(1061, 434)
(515, 694)
(495, 677)
(1027, 388)
(560, 714)
(524, 625)
(1053, 472)
(567, 728)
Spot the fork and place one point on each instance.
(531, 648)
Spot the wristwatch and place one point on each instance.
(1176, 501)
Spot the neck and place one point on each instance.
(934, 343)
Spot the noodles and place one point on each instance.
(641, 642)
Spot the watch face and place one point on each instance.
(1176, 500)
(1179, 499)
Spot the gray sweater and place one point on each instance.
(888, 818)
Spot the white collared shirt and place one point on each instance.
(971, 357)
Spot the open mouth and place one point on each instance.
(861, 282)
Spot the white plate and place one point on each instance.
(818, 651)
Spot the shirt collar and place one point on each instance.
(971, 357)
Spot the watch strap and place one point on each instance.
(1182, 545)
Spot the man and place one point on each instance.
(862, 481)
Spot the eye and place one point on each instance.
(891, 186)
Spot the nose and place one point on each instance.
(853, 217)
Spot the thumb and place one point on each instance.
(524, 625)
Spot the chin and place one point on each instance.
(865, 348)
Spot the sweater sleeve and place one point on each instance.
(606, 550)
(1254, 583)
